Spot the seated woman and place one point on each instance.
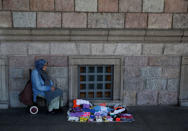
(43, 86)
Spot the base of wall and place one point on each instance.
(3, 105)
(183, 102)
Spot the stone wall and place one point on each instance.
(131, 14)
(151, 71)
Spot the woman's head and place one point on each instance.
(41, 64)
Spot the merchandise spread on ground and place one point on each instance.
(84, 111)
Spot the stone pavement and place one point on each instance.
(148, 118)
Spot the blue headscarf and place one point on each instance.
(39, 64)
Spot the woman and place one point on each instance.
(44, 87)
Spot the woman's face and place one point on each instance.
(45, 67)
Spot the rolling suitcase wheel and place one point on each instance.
(33, 110)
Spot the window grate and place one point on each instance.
(95, 82)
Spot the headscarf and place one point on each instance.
(39, 64)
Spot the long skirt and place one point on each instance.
(53, 99)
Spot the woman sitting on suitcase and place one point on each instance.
(42, 86)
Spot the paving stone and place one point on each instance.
(128, 49)
(17, 61)
(6, 19)
(109, 49)
(147, 97)
(156, 84)
(48, 20)
(24, 19)
(173, 84)
(108, 5)
(153, 5)
(16, 4)
(42, 5)
(175, 6)
(86, 5)
(136, 61)
(151, 72)
(160, 21)
(171, 72)
(174, 49)
(74, 20)
(168, 97)
(38, 48)
(164, 60)
(136, 20)
(97, 49)
(180, 21)
(105, 20)
(58, 48)
(64, 5)
(130, 5)
(13, 48)
(84, 49)
(134, 84)
(129, 98)
(153, 49)
(132, 71)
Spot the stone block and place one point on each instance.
(180, 21)
(156, 84)
(97, 49)
(16, 5)
(171, 72)
(132, 72)
(134, 39)
(58, 48)
(130, 5)
(175, 6)
(86, 5)
(13, 48)
(153, 5)
(174, 49)
(151, 72)
(58, 61)
(136, 61)
(173, 84)
(58, 72)
(134, 84)
(1, 3)
(74, 20)
(89, 38)
(24, 19)
(17, 61)
(129, 98)
(91, 32)
(168, 97)
(136, 20)
(17, 73)
(164, 61)
(127, 32)
(109, 49)
(64, 5)
(14, 100)
(62, 83)
(163, 21)
(39, 48)
(153, 49)
(108, 5)
(162, 39)
(6, 19)
(84, 49)
(147, 97)
(164, 33)
(18, 83)
(42, 5)
(128, 49)
(48, 20)
(106, 20)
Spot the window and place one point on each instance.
(95, 82)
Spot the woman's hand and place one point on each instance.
(52, 88)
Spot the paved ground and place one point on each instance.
(150, 118)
